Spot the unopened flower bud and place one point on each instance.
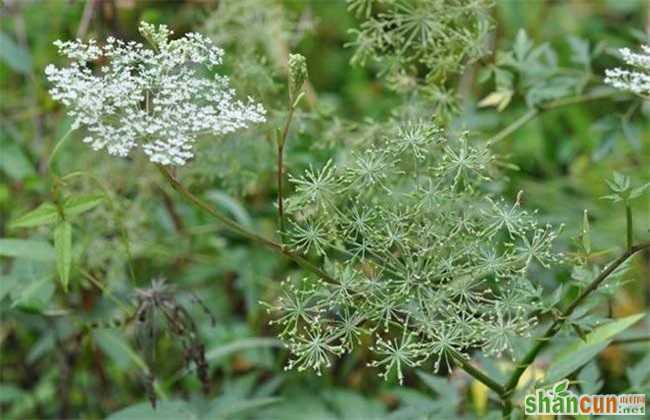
(297, 75)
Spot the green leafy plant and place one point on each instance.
(398, 238)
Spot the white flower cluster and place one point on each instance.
(159, 99)
(636, 80)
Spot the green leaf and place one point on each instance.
(237, 210)
(522, 45)
(439, 385)
(636, 192)
(79, 204)
(9, 393)
(353, 406)
(14, 55)
(589, 379)
(569, 363)
(239, 345)
(226, 408)
(32, 249)
(639, 374)
(13, 160)
(45, 214)
(114, 345)
(63, 247)
(580, 51)
(7, 284)
(34, 285)
(579, 352)
(613, 328)
(165, 410)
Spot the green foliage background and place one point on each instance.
(48, 370)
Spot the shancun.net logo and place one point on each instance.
(558, 400)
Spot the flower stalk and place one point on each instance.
(241, 230)
(281, 140)
(297, 68)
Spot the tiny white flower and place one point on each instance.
(637, 78)
(159, 100)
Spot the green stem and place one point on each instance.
(630, 231)
(478, 374)
(516, 125)
(241, 230)
(57, 147)
(281, 142)
(506, 411)
(558, 103)
(555, 327)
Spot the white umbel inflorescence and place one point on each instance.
(159, 99)
(637, 79)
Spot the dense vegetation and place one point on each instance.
(461, 213)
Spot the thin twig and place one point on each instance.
(478, 374)
(86, 17)
(281, 142)
(629, 227)
(558, 103)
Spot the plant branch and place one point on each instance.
(554, 328)
(534, 112)
(478, 374)
(281, 140)
(241, 230)
(630, 229)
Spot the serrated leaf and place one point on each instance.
(580, 51)
(622, 181)
(63, 247)
(80, 204)
(636, 192)
(503, 79)
(32, 249)
(522, 45)
(45, 214)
